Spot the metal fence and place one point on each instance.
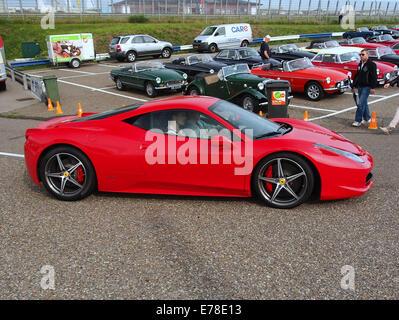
(318, 9)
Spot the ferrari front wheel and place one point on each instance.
(283, 180)
(67, 173)
(314, 91)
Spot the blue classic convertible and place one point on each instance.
(361, 32)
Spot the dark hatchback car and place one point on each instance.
(195, 64)
(249, 56)
(290, 52)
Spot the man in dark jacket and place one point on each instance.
(265, 49)
(365, 81)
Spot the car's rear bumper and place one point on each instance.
(114, 54)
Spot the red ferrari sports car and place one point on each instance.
(157, 148)
(304, 77)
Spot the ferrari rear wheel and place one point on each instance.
(150, 90)
(283, 180)
(314, 91)
(67, 174)
(249, 103)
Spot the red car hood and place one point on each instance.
(310, 132)
(334, 74)
(365, 45)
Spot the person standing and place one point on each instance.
(395, 120)
(265, 49)
(341, 15)
(365, 81)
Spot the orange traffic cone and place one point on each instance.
(58, 110)
(306, 116)
(49, 105)
(80, 110)
(373, 122)
(260, 113)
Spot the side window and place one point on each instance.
(148, 40)
(124, 40)
(138, 39)
(224, 54)
(180, 122)
(221, 31)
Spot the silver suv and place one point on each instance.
(130, 47)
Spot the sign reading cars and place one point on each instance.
(278, 98)
(239, 29)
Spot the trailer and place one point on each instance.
(3, 74)
(72, 49)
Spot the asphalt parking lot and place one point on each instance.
(175, 247)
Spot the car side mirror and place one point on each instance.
(221, 142)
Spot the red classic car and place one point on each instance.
(359, 42)
(348, 59)
(303, 76)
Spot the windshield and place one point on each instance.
(248, 52)
(332, 44)
(363, 29)
(199, 58)
(349, 57)
(358, 40)
(1, 58)
(147, 65)
(109, 113)
(386, 37)
(208, 31)
(235, 69)
(288, 48)
(382, 28)
(242, 119)
(299, 64)
(382, 51)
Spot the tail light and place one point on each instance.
(118, 48)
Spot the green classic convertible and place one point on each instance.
(150, 76)
(235, 83)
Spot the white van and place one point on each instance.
(223, 36)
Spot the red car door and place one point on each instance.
(174, 164)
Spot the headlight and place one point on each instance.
(211, 71)
(387, 76)
(395, 67)
(185, 75)
(350, 74)
(328, 80)
(378, 71)
(158, 80)
(261, 86)
(346, 154)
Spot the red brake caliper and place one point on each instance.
(80, 174)
(269, 174)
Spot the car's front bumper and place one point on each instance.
(200, 46)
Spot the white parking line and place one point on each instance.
(78, 71)
(12, 155)
(371, 95)
(311, 108)
(354, 107)
(111, 87)
(101, 90)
